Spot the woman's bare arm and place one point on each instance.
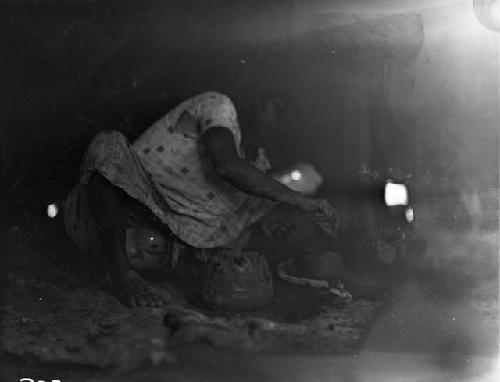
(243, 175)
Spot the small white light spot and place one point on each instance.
(151, 238)
(395, 194)
(296, 175)
(453, 318)
(409, 215)
(243, 61)
(52, 211)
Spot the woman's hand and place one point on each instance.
(321, 208)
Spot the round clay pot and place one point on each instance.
(319, 265)
(233, 281)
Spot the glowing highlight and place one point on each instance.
(296, 175)
(395, 194)
(52, 210)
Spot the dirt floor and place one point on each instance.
(433, 315)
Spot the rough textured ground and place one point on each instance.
(53, 324)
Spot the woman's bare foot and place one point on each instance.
(133, 290)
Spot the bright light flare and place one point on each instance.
(409, 215)
(303, 178)
(494, 374)
(395, 194)
(296, 175)
(488, 13)
(52, 210)
(495, 12)
(496, 370)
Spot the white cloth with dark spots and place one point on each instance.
(168, 170)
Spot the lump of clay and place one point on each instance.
(230, 281)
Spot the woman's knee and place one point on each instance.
(110, 139)
(107, 149)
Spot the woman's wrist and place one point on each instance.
(302, 202)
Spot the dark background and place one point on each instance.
(382, 83)
(411, 84)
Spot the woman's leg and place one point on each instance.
(109, 207)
